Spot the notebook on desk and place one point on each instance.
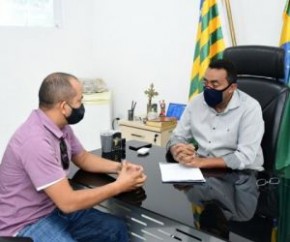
(177, 173)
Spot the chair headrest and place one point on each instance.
(257, 60)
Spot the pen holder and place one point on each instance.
(131, 114)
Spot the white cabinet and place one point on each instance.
(98, 117)
(138, 131)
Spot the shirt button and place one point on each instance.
(209, 141)
(213, 128)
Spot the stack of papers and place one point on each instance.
(174, 172)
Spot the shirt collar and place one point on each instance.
(234, 102)
(49, 124)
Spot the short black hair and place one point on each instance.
(55, 88)
(228, 66)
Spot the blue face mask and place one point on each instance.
(213, 97)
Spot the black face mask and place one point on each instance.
(213, 97)
(76, 115)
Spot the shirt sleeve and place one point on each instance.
(182, 133)
(251, 130)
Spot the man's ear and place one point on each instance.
(61, 106)
(233, 87)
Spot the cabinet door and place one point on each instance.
(97, 118)
(142, 135)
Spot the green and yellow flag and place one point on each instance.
(209, 43)
(283, 146)
(285, 40)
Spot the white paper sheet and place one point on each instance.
(174, 172)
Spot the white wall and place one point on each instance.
(258, 21)
(128, 43)
(27, 55)
(139, 42)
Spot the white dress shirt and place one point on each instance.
(234, 134)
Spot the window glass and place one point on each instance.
(28, 13)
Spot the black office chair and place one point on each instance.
(260, 70)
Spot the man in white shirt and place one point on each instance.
(225, 123)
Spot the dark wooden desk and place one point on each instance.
(165, 212)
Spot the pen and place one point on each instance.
(133, 105)
(175, 237)
(170, 235)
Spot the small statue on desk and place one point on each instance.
(162, 105)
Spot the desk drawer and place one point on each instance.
(142, 135)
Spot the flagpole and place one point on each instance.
(230, 21)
